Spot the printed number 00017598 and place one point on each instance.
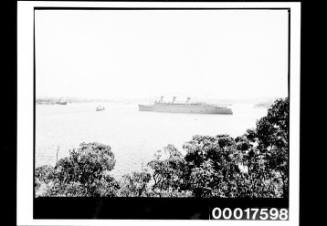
(250, 214)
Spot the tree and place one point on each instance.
(168, 173)
(272, 138)
(84, 172)
(135, 184)
(276, 147)
(43, 177)
(43, 174)
(212, 165)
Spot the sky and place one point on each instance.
(223, 54)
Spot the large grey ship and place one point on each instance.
(186, 107)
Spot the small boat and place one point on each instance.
(61, 102)
(100, 108)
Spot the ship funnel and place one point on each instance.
(174, 98)
(188, 100)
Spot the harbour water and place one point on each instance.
(134, 136)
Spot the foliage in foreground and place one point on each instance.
(83, 173)
(252, 165)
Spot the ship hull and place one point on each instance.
(145, 107)
(184, 108)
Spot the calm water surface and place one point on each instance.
(134, 136)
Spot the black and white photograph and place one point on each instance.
(163, 102)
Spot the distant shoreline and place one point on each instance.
(53, 101)
(260, 102)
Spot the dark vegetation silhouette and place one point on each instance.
(252, 165)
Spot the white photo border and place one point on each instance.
(25, 108)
